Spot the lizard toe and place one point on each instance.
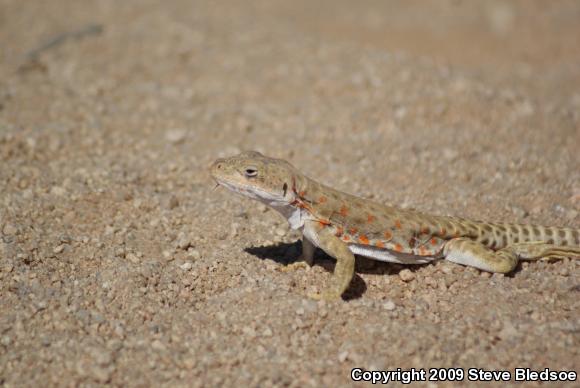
(326, 295)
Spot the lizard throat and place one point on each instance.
(295, 216)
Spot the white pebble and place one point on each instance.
(175, 135)
(132, 258)
(342, 356)
(406, 275)
(186, 266)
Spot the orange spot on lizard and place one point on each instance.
(398, 224)
(322, 199)
(371, 218)
(343, 210)
(363, 239)
(398, 248)
(388, 235)
(346, 237)
(302, 193)
(379, 244)
(353, 230)
(433, 241)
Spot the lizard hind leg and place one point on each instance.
(468, 252)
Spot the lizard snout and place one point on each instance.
(216, 167)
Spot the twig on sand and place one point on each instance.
(91, 29)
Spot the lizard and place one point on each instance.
(344, 225)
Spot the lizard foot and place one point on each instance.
(552, 258)
(295, 266)
(327, 295)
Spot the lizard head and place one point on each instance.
(254, 175)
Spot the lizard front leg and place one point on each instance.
(308, 249)
(321, 235)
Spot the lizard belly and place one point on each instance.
(382, 254)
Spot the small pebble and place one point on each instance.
(575, 198)
(175, 136)
(173, 202)
(183, 242)
(518, 211)
(186, 266)
(9, 230)
(406, 275)
(167, 255)
(58, 191)
(447, 269)
(157, 345)
(572, 214)
(132, 257)
(194, 254)
(342, 356)
(389, 305)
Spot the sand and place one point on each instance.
(120, 264)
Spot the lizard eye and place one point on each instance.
(250, 172)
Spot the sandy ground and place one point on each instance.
(120, 264)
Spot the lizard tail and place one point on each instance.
(536, 251)
(531, 242)
(567, 238)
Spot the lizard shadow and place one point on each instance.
(288, 253)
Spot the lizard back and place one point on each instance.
(362, 222)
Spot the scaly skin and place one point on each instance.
(343, 225)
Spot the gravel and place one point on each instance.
(120, 264)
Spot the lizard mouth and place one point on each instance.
(235, 188)
(251, 192)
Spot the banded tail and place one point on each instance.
(497, 236)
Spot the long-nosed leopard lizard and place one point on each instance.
(344, 225)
